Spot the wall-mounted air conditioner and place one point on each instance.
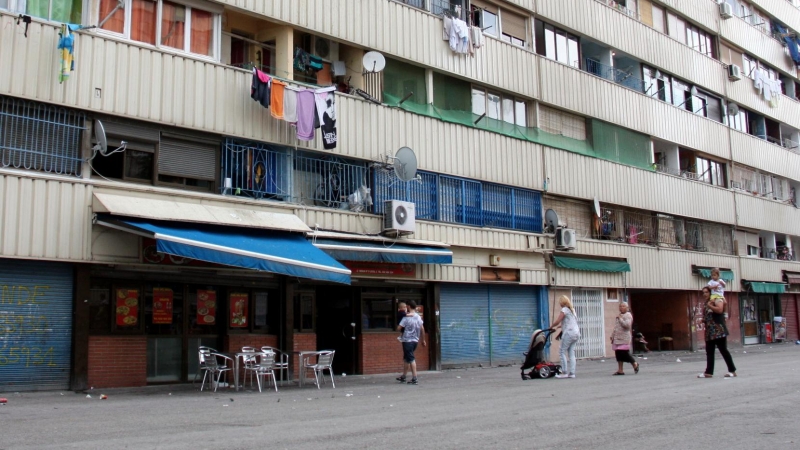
(734, 71)
(565, 239)
(398, 218)
(725, 10)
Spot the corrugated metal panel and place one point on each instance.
(566, 88)
(399, 30)
(783, 10)
(183, 158)
(705, 13)
(762, 214)
(617, 30)
(448, 273)
(514, 315)
(35, 325)
(635, 187)
(538, 277)
(789, 311)
(766, 269)
(743, 93)
(760, 154)
(582, 278)
(44, 218)
(757, 43)
(588, 304)
(464, 324)
(124, 130)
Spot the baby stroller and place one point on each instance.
(534, 357)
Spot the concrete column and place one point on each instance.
(284, 49)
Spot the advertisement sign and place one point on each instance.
(239, 310)
(162, 306)
(206, 307)
(127, 305)
(364, 268)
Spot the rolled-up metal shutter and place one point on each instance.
(513, 25)
(491, 7)
(186, 158)
(125, 131)
(514, 317)
(35, 325)
(464, 325)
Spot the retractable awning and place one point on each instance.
(792, 278)
(383, 251)
(765, 287)
(591, 264)
(268, 250)
(726, 275)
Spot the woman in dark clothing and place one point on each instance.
(716, 335)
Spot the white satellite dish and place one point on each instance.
(551, 221)
(733, 109)
(373, 62)
(405, 164)
(101, 141)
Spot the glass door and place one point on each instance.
(203, 321)
(750, 330)
(163, 321)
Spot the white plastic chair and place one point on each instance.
(324, 362)
(281, 361)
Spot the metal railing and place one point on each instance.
(613, 74)
(671, 232)
(40, 137)
(261, 171)
(623, 9)
(440, 7)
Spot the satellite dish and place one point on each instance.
(405, 164)
(551, 221)
(373, 62)
(693, 91)
(596, 207)
(101, 141)
(733, 109)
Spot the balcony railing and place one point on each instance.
(613, 74)
(40, 137)
(621, 8)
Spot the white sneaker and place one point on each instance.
(562, 375)
(572, 375)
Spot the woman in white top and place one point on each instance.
(569, 337)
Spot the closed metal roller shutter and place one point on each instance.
(588, 304)
(35, 325)
(789, 311)
(492, 8)
(132, 132)
(513, 25)
(189, 159)
(464, 324)
(514, 317)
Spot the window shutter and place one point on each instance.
(559, 122)
(188, 159)
(484, 5)
(133, 132)
(646, 12)
(514, 25)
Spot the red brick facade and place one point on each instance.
(302, 342)
(235, 342)
(382, 353)
(117, 361)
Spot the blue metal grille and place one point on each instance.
(40, 137)
(258, 170)
(458, 200)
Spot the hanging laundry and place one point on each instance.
(758, 80)
(326, 110)
(301, 60)
(67, 46)
(791, 42)
(259, 88)
(478, 40)
(306, 112)
(447, 26)
(276, 98)
(290, 104)
(315, 63)
(458, 36)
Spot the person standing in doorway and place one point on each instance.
(716, 334)
(413, 332)
(402, 312)
(621, 340)
(570, 333)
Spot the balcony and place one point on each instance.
(613, 74)
(783, 160)
(757, 42)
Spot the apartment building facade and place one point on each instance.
(605, 150)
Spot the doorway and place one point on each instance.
(337, 326)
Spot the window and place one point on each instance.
(555, 121)
(749, 66)
(699, 40)
(557, 44)
(64, 11)
(304, 304)
(379, 313)
(156, 157)
(484, 15)
(711, 172)
(657, 84)
(254, 311)
(513, 28)
(182, 27)
(495, 106)
(659, 23)
(739, 120)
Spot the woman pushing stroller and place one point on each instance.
(570, 333)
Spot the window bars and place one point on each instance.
(40, 137)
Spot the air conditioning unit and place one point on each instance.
(734, 71)
(398, 218)
(565, 239)
(725, 10)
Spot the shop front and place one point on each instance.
(760, 303)
(35, 325)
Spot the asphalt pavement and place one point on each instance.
(663, 407)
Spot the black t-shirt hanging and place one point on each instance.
(326, 109)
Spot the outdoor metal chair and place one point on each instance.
(324, 362)
(281, 361)
(202, 353)
(216, 365)
(249, 363)
(265, 367)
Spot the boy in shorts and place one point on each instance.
(413, 332)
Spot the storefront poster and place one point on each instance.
(127, 307)
(206, 307)
(780, 328)
(238, 310)
(162, 306)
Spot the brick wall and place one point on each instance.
(235, 342)
(382, 353)
(117, 361)
(302, 342)
(733, 323)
